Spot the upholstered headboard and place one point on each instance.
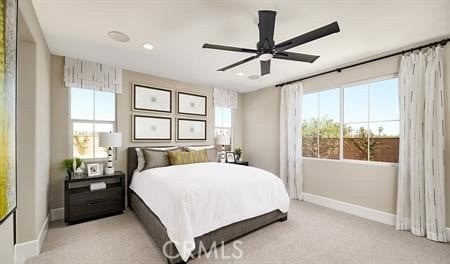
(131, 163)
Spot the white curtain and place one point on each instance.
(421, 194)
(225, 98)
(92, 75)
(291, 139)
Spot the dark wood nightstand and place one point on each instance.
(81, 204)
(244, 163)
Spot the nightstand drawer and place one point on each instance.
(95, 207)
(78, 197)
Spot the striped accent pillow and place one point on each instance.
(180, 158)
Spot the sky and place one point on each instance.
(82, 102)
(381, 107)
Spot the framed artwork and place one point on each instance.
(147, 98)
(8, 50)
(191, 104)
(191, 129)
(151, 128)
(230, 157)
(93, 169)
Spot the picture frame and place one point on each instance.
(152, 99)
(151, 128)
(230, 157)
(8, 108)
(191, 129)
(191, 104)
(93, 169)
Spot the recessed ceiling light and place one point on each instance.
(240, 74)
(147, 46)
(253, 77)
(118, 36)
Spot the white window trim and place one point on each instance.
(341, 115)
(71, 121)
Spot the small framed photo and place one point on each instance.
(93, 169)
(230, 157)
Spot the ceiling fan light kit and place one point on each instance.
(266, 49)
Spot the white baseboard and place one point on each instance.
(57, 214)
(349, 208)
(23, 251)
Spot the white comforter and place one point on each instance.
(192, 200)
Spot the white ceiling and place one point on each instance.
(178, 29)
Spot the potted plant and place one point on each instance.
(71, 165)
(238, 153)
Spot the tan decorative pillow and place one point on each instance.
(180, 158)
(211, 151)
(157, 157)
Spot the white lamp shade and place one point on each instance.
(110, 139)
(223, 140)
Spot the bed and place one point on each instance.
(224, 226)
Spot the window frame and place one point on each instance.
(341, 114)
(91, 121)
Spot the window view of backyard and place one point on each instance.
(92, 112)
(370, 126)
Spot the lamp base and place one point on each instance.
(222, 155)
(109, 170)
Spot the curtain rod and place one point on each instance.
(442, 42)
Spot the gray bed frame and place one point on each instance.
(159, 234)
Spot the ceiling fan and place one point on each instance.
(266, 49)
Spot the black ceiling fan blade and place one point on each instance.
(265, 67)
(307, 37)
(266, 27)
(238, 63)
(227, 48)
(285, 55)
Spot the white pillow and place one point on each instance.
(140, 159)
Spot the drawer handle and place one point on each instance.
(94, 202)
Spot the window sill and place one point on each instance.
(362, 162)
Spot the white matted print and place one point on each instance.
(151, 99)
(191, 104)
(190, 129)
(152, 128)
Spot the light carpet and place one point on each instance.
(312, 234)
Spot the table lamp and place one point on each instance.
(110, 140)
(223, 140)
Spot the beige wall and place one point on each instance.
(60, 132)
(365, 184)
(261, 133)
(33, 125)
(60, 120)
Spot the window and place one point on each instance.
(222, 121)
(369, 129)
(321, 124)
(91, 112)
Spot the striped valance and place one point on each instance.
(225, 98)
(92, 75)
